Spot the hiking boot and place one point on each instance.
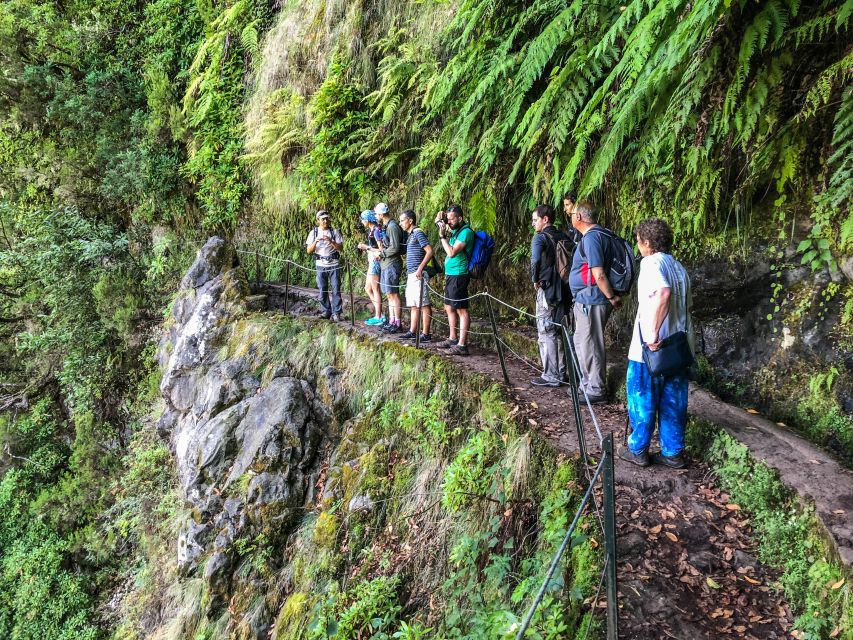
(639, 459)
(447, 344)
(458, 350)
(324, 315)
(409, 335)
(542, 382)
(425, 337)
(673, 462)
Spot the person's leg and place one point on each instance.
(582, 339)
(673, 415)
(426, 319)
(464, 323)
(394, 307)
(451, 321)
(597, 374)
(337, 302)
(642, 406)
(323, 286)
(557, 315)
(545, 338)
(375, 296)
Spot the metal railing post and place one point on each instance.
(351, 296)
(286, 285)
(573, 391)
(608, 485)
(498, 345)
(257, 269)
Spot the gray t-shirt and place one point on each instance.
(324, 251)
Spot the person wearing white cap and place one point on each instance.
(393, 247)
(325, 243)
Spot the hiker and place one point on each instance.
(391, 266)
(325, 243)
(594, 300)
(569, 202)
(418, 254)
(371, 280)
(457, 240)
(553, 296)
(664, 300)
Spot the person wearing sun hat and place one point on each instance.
(371, 281)
(325, 242)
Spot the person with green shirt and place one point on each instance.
(457, 240)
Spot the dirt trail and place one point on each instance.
(686, 555)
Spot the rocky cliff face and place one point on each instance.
(246, 453)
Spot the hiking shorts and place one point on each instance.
(389, 279)
(413, 290)
(456, 291)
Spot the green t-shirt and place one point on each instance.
(458, 264)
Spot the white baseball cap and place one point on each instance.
(380, 209)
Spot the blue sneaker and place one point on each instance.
(374, 321)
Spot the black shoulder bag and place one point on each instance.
(673, 358)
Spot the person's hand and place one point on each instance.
(438, 217)
(442, 229)
(654, 345)
(616, 301)
(419, 274)
(362, 246)
(536, 286)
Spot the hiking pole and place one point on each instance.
(498, 345)
(420, 314)
(351, 297)
(608, 485)
(573, 390)
(286, 285)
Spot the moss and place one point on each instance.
(293, 617)
(788, 531)
(326, 530)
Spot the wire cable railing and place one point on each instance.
(603, 470)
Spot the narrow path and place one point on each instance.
(686, 564)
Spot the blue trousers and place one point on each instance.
(330, 277)
(652, 398)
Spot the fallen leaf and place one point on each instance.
(656, 529)
(782, 424)
(752, 411)
(712, 583)
(672, 536)
(754, 618)
(532, 422)
(835, 632)
(751, 581)
(839, 512)
(739, 628)
(534, 405)
(733, 507)
(838, 584)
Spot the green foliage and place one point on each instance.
(789, 534)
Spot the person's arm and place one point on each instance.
(661, 298)
(393, 248)
(427, 257)
(604, 284)
(595, 255)
(310, 246)
(336, 241)
(535, 257)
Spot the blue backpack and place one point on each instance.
(481, 254)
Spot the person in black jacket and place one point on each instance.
(553, 296)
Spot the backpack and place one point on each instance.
(481, 254)
(335, 254)
(564, 249)
(622, 271)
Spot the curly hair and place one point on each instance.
(657, 233)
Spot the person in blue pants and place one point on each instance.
(325, 243)
(664, 300)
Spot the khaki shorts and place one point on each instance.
(413, 290)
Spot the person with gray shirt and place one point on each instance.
(325, 243)
(393, 247)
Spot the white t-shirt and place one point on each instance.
(658, 271)
(324, 250)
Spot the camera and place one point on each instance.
(441, 218)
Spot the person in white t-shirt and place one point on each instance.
(664, 300)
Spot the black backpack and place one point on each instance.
(622, 271)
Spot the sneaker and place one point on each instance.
(324, 315)
(384, 326)
(542, 382)
(394, 328)
(639, 459)
(458, 350)
(409, 335)
(594, 399)
(673, 462)
(370, 322)
(335, 318)
(446, 344)
(425, 337)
